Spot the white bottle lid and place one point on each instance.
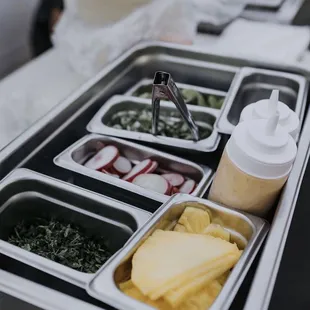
(263, 109)
(262, 149)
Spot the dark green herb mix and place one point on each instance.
(190, 96)
(63, 243)
(170, 124)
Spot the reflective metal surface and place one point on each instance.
(99, 124)
(26, 195)
(74, 157)
(37, 147)
(247, 232)
(251, 85)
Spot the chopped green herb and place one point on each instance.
(170, 124)
(190, 96)
(63, 243)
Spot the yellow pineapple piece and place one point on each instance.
(194, 220)
(168, 259)
(217, 231)
(179, 295)
(180, 228)
(223, 278)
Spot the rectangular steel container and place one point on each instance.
(247, 232)
(251, 85)
(25, 195)
(145, 85)
(75, 156)
(120, 103)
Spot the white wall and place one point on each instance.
(15, 24)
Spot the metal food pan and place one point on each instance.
(247, 232)
(75, 156)
(25, 195)
(145, 85)
(122, 103)
(251, 85)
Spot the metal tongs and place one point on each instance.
(164, 88)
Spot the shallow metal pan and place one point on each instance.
(145, 85)
(246, 230)
(251, 85)
(25, 195)
(75, 156)
(120, 103)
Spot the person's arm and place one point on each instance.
(46, 17)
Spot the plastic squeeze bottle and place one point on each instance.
(265, 108)
(254, 166)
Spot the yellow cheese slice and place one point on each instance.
(169, 259)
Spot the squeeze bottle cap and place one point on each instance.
(265, 108)
(261, 148)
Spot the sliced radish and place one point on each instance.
(153, 182)
(142, 167)
(153, 167)
(122, 165)
(162, 171)
(175, 179)
(103, 159)
(188, 187)
(174, 190)
(108, 172)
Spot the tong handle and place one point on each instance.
(165, 88)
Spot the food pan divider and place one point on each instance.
(119, 103)
(25, 195)
(246, 230)
(74, 157)
(293, 92)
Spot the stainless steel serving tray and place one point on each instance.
(251, 85)
(146, 85)
(74, 157)
(246, 230)
(122, 103)
(37, 147)
(25, 195)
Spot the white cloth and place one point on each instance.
(263, 41)
(88, 47)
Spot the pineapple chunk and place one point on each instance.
(180, 228)
(223, 278)
(194, 220)
(169, 259)
(179, 295)
(217, 231)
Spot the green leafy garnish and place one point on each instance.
(63, 243)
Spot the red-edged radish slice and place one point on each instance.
(122, 165)
(175, 179)
(138, 169)
(110, 173)
(153, 167)
(162, 171)
(153, 182)
(188, 187)
(174, 190)
(103, 159)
